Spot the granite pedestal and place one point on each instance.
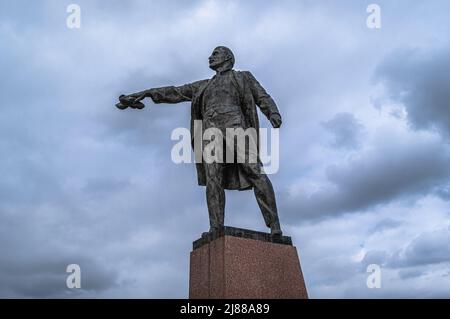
(235, 263)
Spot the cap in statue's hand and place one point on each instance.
(129, 101)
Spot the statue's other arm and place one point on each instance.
(264, 101)
(171, 94)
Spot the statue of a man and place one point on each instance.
(227, 100)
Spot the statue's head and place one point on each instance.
(221, 58)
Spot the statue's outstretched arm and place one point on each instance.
(169, 94)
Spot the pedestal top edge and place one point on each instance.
(242, 233)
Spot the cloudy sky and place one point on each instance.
(364, 175)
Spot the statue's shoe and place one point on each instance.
(275, 230)
(205, 234)
(211, 230)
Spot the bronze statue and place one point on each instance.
(227, 100)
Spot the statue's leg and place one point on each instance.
(215, 195)
(265, 196)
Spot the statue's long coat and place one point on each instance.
(251, 94)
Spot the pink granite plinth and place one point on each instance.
(230, 266)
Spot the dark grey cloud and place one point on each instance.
(394, 171)
(45, 276)
(419, 80)
(443, 192)
(346, 130)
(428, 248)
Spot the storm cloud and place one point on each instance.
(345, 129)
(390, 171)
(419, 81)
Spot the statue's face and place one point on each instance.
(217, 58)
